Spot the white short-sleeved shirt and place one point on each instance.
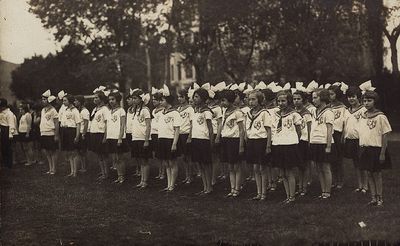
(154, 121)
(199, 122)
(352, 119)
(274, 120)
(168, 120)
(372, 128)
(24, 122)
(113, 119)
(217, 114)
(97, 123)
(311, 108)
(319, 129)
(139, 123)
(129, 118)
(47, 116)
(230, 127)
(339, 111)
(256, 124)
(186, 113)
(286, 133)
(70, 117)
(61, 112)
(7, 119)
(306, 118)
(85, 115)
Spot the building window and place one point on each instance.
(179, 72)
(188, 71)
(172, 73)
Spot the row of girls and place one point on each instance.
(275, 130)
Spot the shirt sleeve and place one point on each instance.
(297, 119)
(385, 125)
(191, 113)
(217, 113)
(146, 114)
(122, 112)
(267, 119)
(77, 116)
(239, 116)
(85, 114)
(55, 114)
(208, 115)
(329, 117)
(177, 119)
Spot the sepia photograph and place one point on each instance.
(199, 122)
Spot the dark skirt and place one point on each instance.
(286, 156)
(6, 155)
(255, 151)
(21, 137)
(369, 159)
(139, 151)
(305, 156)
(319, 155)
(183, 148)
(113, 148)
(153, 142)
(128, 137)
(96, 144)
(67, 139)
(203, 153)
(48, 143)
(338, 146)
(35, 133)
(164, 149)
(82, 144)
(230, 150)
(351, 150)
(216, 149)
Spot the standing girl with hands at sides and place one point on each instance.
(140, 126)
(25, 135)
(128, 131)
(352, 121)
(213, 104)
(97, 131)
(49, 131)
(83, 140)
(285, 153)
(70, 122)
(168, 134)
(321, 140)
(258, 128)
(202, 138)
(232, 140)
(115, 134)
(374, 157)
(157, 111)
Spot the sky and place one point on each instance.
(22, 35)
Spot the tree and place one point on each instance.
(391, 14)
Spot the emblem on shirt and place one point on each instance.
(231, 123)
(200, 120)
(68, 116)
(337, 114)
(98, 118)
(303, 124)
(184, 114)
(48, 117)
(320, 121)
(168, 119)
(141, 118)
(288, 123)
(371, 123)
(114, 118)
(358, 116)
(257, 125)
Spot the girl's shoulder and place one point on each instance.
(338, 105)
(157, 110)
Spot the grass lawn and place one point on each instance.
(38, 209)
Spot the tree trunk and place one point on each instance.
(394, 59)
(375, 29)
(148, 68)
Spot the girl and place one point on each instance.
(168, 134)
(97, 132)
(285, 153)
(216, 121)
(202, 138)
(311, 108)
(299, 98)
(49, 135)
(157, 111)
(186, 111)
(83, 142)
(70, 122)
(374, 157)
(24, 129)
(129, 118)
(140, 125)
(258, 128)
(338, 109)
(232, 141)
(115, 134)
(35, 132)
(6, 136)
(321, 140)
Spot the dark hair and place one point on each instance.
(157, 96)
(288, 95)
(323, 95)
(128, 96)
(169, 99)
(240, 94)
(268, 95)
(353, 91)
(183, 93)
(70, 98)
(202, 93)
(259, 96)
(3, 103)
(102, 97)
(25, 107)
(371, 95)
(136, 93)
(338, 92)
(116, 95)
(80, 99)
(229, 95)
(302, 94)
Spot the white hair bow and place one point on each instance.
(311, 86)
(165, 91)
(211, 93)
(191, 92)
(234, 87)
(155, 90)
(344, 87)
(248, 89)
(261, 86)
(220, 86)
(133, 91)
(46, 93)
(299, 87)
(241, 86)
(366, 86)
(107, 93)
(205, 86)
(100, 88)
(326, 86)
(51, 98)
(286, 86)
(196, 86)
(145, 98)
(61, 94)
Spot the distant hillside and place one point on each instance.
(5, 79)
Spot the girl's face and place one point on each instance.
(225, 103)
(156, 103)
(181, 99)
(297, 100)
(77, 103)
(237, 100)
(21, 110)
(369, 103)
(282, 101)
(164, 102)
(65, 102)
(112, 100)
(129, 101)
(96, 99)
(136, 100)
(316, 100)
(196, 99)
(332, 95)
(253, 101)
(353, 100)
(44, 101)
